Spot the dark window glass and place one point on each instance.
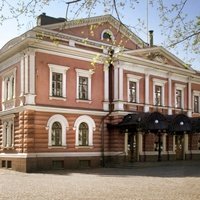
(158, 95)
(83, 134)
(83, 88)
(56, 137)
(57, 84)
(107, 36)
(132, 91)
(196, 104)
(178, 98)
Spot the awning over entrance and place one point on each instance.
(157, 122)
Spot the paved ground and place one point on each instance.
(149, 181)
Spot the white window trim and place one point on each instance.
(161, 83)
(65, 126)
(84, 73)
(58, 69)
(8, 77)
(180, 87)
(134, 78)
(196, 93)
(9, 119)
(91, 126)
(108, 31)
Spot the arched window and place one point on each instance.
(57, 126)
(107, 35)
(84, 126)
(83, 134)
(56, 134)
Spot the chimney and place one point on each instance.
(151, 38)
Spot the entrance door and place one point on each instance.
(179, 147)
(132, 154)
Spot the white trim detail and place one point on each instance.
(134, 78)
(84, 73)
(180, 87)
(109, 32)
(58, 69)
(65, 126)
(161, 83)
(91, 125)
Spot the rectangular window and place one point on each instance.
(83, 88)
(178, 98)
(196, 104)
(158, 95)
(132, 91)
(57, 82)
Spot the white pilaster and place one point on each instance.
(116, 82)
(121, 85)
(139, 145)
(32, 72)
(189, 113)
(126, 143)
(169, 95)
(22, 63)
(146, 106)
(185, 148)
(26, 74)
(106, 87)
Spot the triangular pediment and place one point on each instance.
(159, 55)
(92, 29)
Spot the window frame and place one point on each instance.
(60, 70)
(161, 83)
(65, 127)
(197, 94)
(8, 131)
(91, 126)
(136, 79)
(87, 74)
(180, 87)
(108, 31)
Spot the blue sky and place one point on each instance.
(9, 29)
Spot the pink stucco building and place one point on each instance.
(85, 93)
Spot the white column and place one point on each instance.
(185, 148)
(106, 87)
(139, 145)
(126, 143)
(189, 113)
(164, 142)
(22, 76)
(32, 72)
(169, 95)
(121, 85)
(174, 143)
(116, 82)
(26, 75)
(146, 106)
(8, 135)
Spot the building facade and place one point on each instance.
(88, 92)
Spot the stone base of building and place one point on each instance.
(38, 164)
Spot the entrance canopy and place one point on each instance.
(157, 122)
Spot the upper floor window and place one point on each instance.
(84, 78)
(196, 99)
(159, 92)
(57, 81)
(196, 104)
(133, 82)
(107, 35)
(8, 85)
(57, 126)
(8, 132)
(84, 126)
(132, 91)
(158, 95)
(83, 88)
(178, 99)
(179, 96)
